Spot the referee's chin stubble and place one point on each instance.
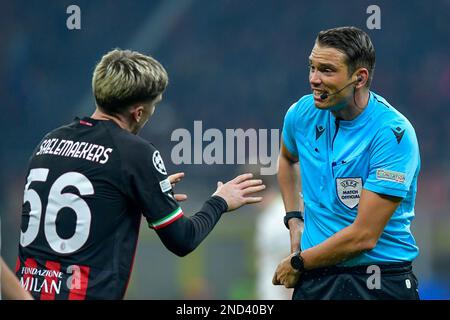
(333, 103)
(322, 104)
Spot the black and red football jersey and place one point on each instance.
(87, 185)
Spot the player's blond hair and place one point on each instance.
(123, 78)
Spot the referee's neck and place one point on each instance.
(354, 107)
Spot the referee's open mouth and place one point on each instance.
(317, 93)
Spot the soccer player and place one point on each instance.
(359, 163)
(89, 182)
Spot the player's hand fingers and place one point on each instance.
(242, 178)
(251, 190)
(176, 177)
(249, 200)
(180, 197)
(250, 183)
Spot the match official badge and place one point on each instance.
(349, 191)
(158, 162)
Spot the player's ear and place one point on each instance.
(137, 113)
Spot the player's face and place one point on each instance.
(328, 72)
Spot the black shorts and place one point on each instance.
(377, 282)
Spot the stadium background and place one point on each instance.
(232, 64)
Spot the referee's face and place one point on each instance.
(328, 73)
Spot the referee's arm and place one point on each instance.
(290, 185)
(374, 212)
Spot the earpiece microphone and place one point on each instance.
(325, 95)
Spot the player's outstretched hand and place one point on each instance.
(174, 179)
(239, 191)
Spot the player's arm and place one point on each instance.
(290, 186)
(184, 234)
(362, 235)
(146, 183)
(10, 285)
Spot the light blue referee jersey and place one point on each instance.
(377, 151)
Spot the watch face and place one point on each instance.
(297, 262)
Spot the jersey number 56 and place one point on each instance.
(57, 201)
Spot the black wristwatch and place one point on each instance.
(292, 214)
(297, 262)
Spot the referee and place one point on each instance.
(359, 162)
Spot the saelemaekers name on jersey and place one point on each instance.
(75, 149)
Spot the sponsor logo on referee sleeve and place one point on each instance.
(349, 191)
(389, 175)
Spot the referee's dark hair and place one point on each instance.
(355, 44)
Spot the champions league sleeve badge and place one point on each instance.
(158, 163)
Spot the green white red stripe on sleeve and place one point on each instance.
(171, 217)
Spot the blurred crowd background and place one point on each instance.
(232, 64)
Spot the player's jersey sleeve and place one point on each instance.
(394, 160)
(148, 186)
(289, 130)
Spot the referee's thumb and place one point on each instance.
(219, 184)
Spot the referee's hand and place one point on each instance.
(286, 275)
(240, 191)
